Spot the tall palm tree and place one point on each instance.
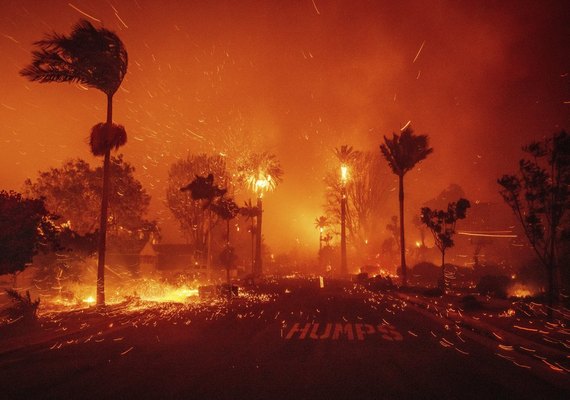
(403, 152)
(321, 223)
(261, 172)
(96, 58)
(249, 211)
(346, 156)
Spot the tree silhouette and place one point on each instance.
(250, 212)
(346, 156)
(26, 228)
(403, 152)
(227, 210)
(203, 189)
(190, 213)
(73, 191)
(321, 224)
(98, 59)
(539, 195)
(442, 226)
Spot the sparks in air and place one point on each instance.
(83, 12)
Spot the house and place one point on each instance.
(169, 257)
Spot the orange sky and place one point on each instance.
(297, 78)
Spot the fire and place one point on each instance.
(344, 173)
(147, 290)
(519, 290)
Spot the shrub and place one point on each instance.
(426, 272)
(494, 285)
(470, 303)
(23, 307)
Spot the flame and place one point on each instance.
(147, 290)
(519, 290)
(344, 173)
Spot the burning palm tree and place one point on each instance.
(346, 156)
(98, 59)
(262, 173)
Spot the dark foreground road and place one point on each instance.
(310, 343)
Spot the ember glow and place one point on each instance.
(521, 291)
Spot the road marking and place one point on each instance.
(341, 330)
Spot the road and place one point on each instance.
(297, 342)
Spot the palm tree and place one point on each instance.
(346, 156)
(203, 188)
(96, 58)
(249, 211)
(321, 223)
(261, 172)
(227, 210)
(403, 152)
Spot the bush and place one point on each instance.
(470, 303)
(427, 270)
(494, 285)
(23, 307)
(380, 283)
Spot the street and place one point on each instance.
(294, 340)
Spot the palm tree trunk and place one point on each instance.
(442, 277)
(103, 221)
(258, 263)
(252, 249)
(229, 265)
(402, 240)
(343, 264)
(209, 246)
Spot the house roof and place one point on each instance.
(173, 248)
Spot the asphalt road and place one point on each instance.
(301, 342)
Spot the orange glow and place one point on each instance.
(521, 291)
(223, 76)
(261, 184)
(344, 174)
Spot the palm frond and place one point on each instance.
(262, 166)
(104, 138)
(94, 57)
(404, 151)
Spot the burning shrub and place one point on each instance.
(23, 307)
(494, 285)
